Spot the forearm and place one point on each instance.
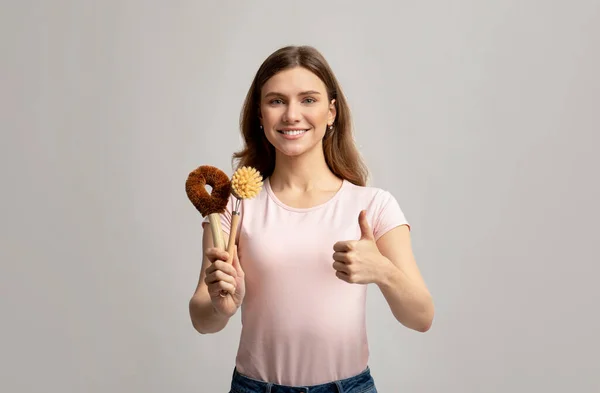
(410, 303)
(205, 318)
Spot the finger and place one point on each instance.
(342, 276)
(340, 267)
(219, 276)
(341, 257)
(216, 288)
(225, 268)
(349, 278)
(210, 269)
(214, 254)
(343, 246)
(365, 228)
(219, 266)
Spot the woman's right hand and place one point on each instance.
(224, 276)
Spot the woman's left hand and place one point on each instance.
(359, 261)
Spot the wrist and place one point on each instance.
(220, 314)
(388, 275)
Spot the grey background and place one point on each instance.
(481, 118)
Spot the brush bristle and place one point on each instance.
(246, 182)
(195, 187)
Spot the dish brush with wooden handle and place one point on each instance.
(213, 204)
(246, 183)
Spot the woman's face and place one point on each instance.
(295, 111)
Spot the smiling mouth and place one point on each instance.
(292, 132)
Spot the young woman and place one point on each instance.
(309, 243)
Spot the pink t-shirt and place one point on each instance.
(301, 325)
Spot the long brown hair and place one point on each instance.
(341, 154)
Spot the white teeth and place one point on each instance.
(294, 132)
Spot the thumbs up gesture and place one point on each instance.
(359, 261)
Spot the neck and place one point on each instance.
(305, 172)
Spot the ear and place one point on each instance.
(332, 111)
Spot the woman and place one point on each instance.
(308, 243)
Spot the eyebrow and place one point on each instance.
(303, 93)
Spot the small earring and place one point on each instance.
(331, 126)
(261, 127)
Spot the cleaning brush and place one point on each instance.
(246, 183)
(213, 204)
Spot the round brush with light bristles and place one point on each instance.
(246, 183)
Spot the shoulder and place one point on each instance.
(382, 207)
(361, 194)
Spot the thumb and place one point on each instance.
(365, 228)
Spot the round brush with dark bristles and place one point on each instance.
(213, 204)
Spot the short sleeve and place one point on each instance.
(388, 215)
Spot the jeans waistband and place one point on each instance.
(361, 383)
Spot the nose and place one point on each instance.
(292, 113)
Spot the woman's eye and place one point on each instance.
(276, 101)
(310, 100)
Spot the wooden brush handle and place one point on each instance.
(235, 219)
(217, 233)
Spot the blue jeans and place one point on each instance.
(361, 383)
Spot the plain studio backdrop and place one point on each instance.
(480, 117)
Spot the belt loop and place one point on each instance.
(268, 388)
(339, 387)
